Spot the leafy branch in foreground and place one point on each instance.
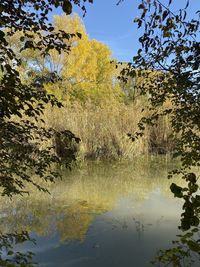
(22, 156)
(184, 252)
(10, 257)
(170, 48)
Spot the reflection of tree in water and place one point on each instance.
(45, 218)
(71, 222)
(74, 203)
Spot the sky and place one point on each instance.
(114, 26)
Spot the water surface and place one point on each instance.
(99, 215)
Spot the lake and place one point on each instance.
(101, 214)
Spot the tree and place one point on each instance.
(86, 73)
(170, 46)
(21, 157)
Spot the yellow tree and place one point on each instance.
(86, 71)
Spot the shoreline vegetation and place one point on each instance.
(103, 131)
(98, 107)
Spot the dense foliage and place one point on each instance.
(19, 148)
(22, 156)
(170, 46)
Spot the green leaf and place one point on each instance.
(194, 246)
(191, 177)
(165, 14)
(177, 190)
(67, 7)
(22, 38)
(2, 34)
(141, 6)
(79, 35)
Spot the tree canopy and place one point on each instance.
(22, 158)
(170, 46)
(84, 73)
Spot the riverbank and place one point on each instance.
(104, 130)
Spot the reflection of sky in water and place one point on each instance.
(129, 235)
(108, 217)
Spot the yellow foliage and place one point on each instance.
(70, 24)
(86, 71)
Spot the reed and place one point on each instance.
(103, 130)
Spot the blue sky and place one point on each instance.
(113, 25)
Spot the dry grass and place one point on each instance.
(103, 130)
